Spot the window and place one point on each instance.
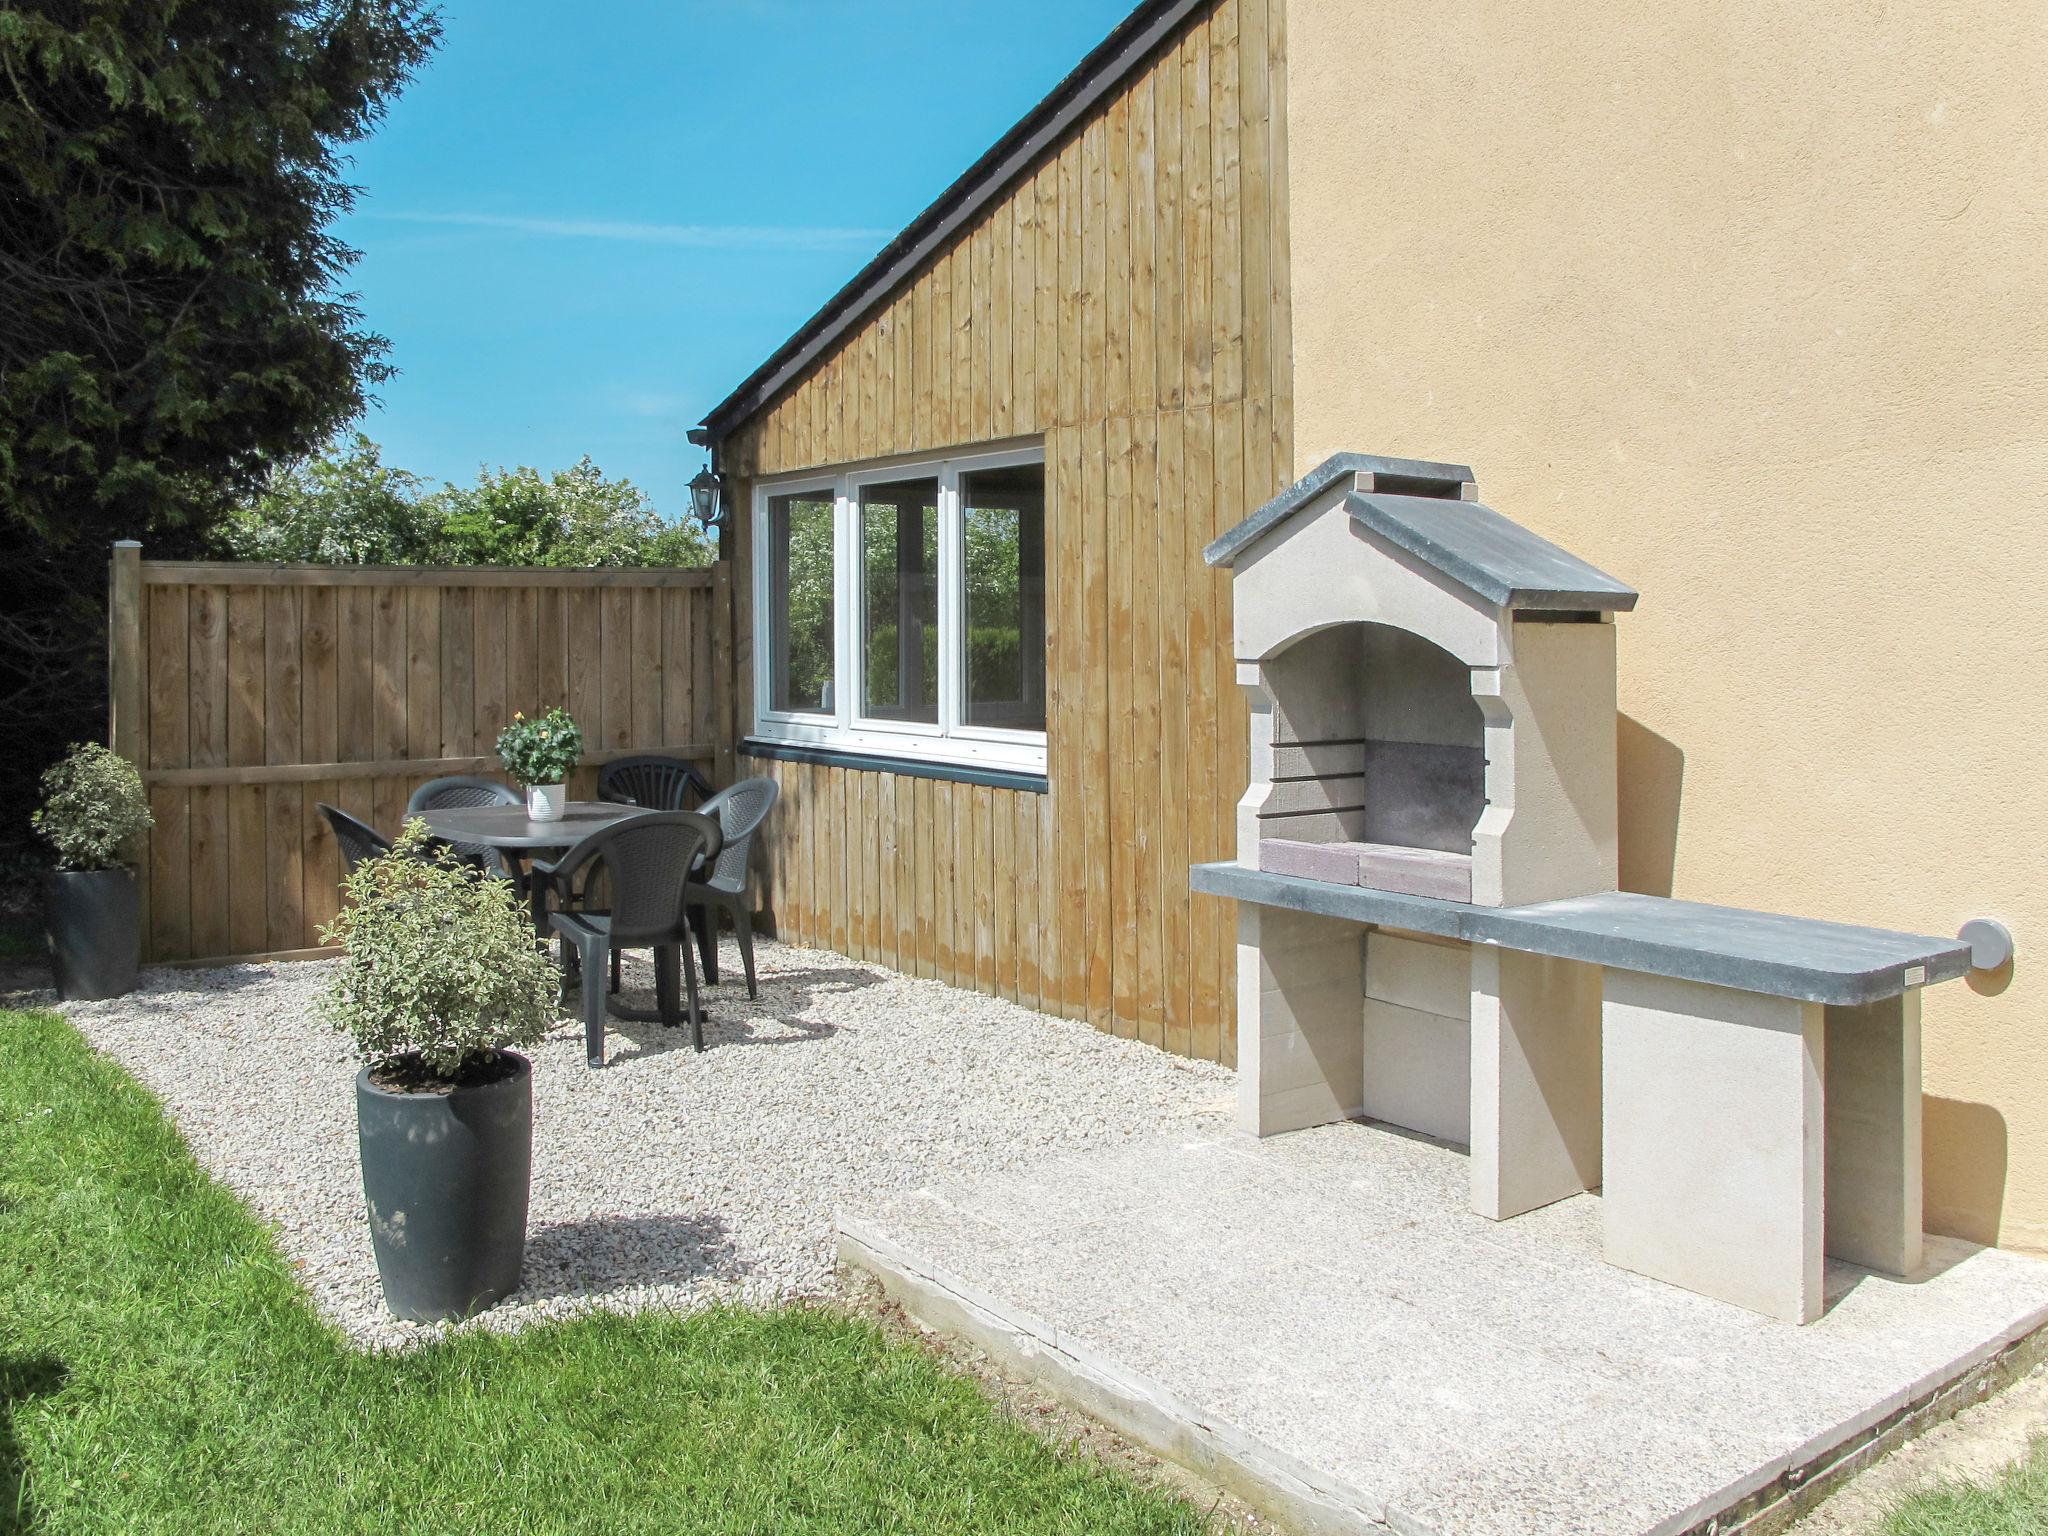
(902, 611)
(899, 641)
(800, 585)
(1003, 531)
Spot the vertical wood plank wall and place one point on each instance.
(251, 693)
(1126, 301)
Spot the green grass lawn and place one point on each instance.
(160, 1370)
(2014, 1504)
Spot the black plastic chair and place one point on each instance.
(359, 840)
(653, 783)
(727, 886)
(463, 791)
(727, 883)
(648, 860)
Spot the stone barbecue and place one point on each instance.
(1429, 933)
(1432, 692)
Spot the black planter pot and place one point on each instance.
(94, 919)
(446, 1176)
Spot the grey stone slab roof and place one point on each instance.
(1337, 466)
(1475, 546)
(1492, 555)
(1796, 957)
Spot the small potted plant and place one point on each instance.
(94, 808)
(440, 986)
(539, 754)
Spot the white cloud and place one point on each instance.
(655, 404)
(714, 236)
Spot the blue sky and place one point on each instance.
(580, 234)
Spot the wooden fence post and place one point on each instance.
(127, 687)
(721, 668)
(127, 730)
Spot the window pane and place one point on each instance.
(800, 602)
(1004, 535)
(899, 541)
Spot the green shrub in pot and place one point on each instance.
(541, 754)
(440, 987)
(94, 814)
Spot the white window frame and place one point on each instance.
(856, 588)
(764, 673)
(951, 740)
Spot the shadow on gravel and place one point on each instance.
(730, 1019)
(163, 990)
(609, 1253)
(806, 985)
(21, 1378)
(721, 1028)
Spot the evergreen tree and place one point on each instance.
(170, 317)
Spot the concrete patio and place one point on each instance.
(1319, 1321)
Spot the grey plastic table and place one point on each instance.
(510, 828)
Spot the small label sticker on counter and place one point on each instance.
(1916, 975)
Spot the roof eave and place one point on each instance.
(1095, 77)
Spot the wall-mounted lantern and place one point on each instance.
(707, 498)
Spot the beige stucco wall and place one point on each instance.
(1747, 303)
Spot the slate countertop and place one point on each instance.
(1796, 957)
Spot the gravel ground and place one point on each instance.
(668, 1178)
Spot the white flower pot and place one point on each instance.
(545, 802)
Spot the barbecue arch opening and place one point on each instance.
(1378, 762)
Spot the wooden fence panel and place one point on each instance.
(249, 694)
